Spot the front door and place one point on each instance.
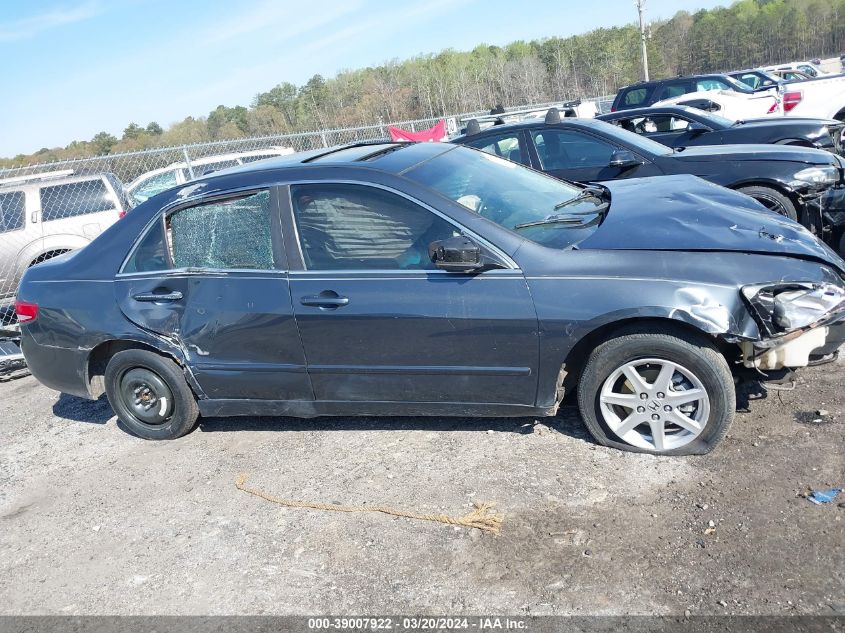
(380, 323)
(212, 277)
(580, 157)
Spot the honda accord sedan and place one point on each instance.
(432, 279)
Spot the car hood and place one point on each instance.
(686, 213)
(721, 153)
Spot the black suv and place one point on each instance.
(646, 93)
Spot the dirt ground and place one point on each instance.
(96, 521)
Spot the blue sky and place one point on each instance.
(75, 67)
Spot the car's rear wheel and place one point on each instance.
(149, 394)
(772, 199)
(659, 391)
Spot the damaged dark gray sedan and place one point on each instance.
(432, 279)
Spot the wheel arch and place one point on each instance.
(100, 355)
(679, 321)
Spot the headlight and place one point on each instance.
(818, 175)
(792, 306)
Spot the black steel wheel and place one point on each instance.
(150, 395)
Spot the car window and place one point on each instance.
(565, 149)
(711, 84)
(234, 233)
(75, 198)
(635, 97)
(749, 79)
(656, 123)
(808, 69)
(504, 145)
(153, 185)
(12, 207)
(672, 90)
(149, 254)
(351, 227)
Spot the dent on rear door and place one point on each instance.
(236, 327)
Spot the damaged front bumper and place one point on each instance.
(795, 349)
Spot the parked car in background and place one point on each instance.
(730, 104)
(152, 182)
(646, 93)
(46, 215)
(429, 279)
(788, 180)
(808, 68)
(757, 79)
(821, 97)
(790, 75)
(681, 126)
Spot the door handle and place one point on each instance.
(173, 295)
(326, 299)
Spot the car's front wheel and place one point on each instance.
(772, 199)
(659, 390)
(150, 395)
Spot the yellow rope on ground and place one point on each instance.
(480, 518)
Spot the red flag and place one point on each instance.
(436, 133)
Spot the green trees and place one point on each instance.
(748, 33)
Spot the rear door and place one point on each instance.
(212, 276)
(16, 236)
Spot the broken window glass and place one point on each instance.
(229, 234)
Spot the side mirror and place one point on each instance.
(623, 159)
(695, 128)
(456, 254)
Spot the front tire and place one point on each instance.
(773, 200)
(658, 390)
(150, 396)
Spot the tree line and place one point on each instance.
(748, 33)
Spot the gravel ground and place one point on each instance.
(96, 521)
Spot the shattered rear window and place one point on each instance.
(228, 234)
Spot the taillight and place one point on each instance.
(612, 109)
(791, 99)
(774, 107)
(121, 215)
(26, 311)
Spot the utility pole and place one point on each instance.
(641, 10)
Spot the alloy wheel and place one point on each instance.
(654, 404)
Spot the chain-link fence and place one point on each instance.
(49, 209)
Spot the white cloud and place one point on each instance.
(31, 26)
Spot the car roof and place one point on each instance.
(47, 180)
(656, 82)
(379, 155)
(535, 123)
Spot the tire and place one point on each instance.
(772, 199)
(692, 361)
(150, 396)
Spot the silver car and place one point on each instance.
(45, 215)
(152, 182)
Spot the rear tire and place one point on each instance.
(772, 199)
(653, 423)
(150, 395)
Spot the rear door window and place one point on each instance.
(673, 90)
(234, 233)
(565, 149)
(75, 198)
(12, 208)
(635, 96)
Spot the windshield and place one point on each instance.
(713, 120)
(512, 195)
(738, 85)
